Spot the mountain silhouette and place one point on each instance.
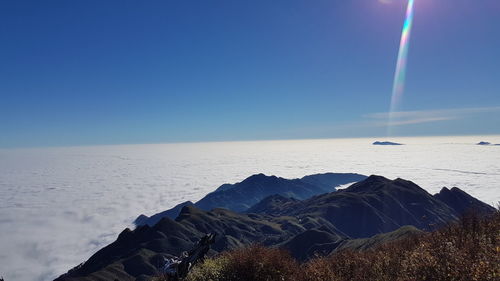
(365, 214)
(386, 143)
(241, 196)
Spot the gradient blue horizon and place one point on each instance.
(115, 72)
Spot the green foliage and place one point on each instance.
(466, 251)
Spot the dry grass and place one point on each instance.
(255, 263)
(465, 251)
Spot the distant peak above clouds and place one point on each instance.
(386, 143)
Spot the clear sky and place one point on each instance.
(103, 72)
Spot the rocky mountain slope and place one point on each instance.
(241, 196)
(318, 225)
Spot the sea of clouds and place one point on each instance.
(58, 206)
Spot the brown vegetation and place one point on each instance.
(468, 250)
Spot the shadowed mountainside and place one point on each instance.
(318, 225)
(460, 201)
(241, 196)
(460, 251)
(377, 205)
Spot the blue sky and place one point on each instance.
(106, 72)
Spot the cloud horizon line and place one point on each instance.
(400, 118)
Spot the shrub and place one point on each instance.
(254, 263)
(467, 250)
(210, 270)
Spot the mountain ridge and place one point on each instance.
(365, 214)
(242, 195)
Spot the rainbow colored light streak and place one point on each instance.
(400, 75)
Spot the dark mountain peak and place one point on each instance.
(376, 178)
(188, 210)
(260, 178)
(127, 232)
(253, 179)
(164, 222)
(375, 183)
(458, 190)
(461, 201)
(454, 191)
(224, 187)
(171, 213)
(377, 205)
(249, 183)
(404, 182)
(259, 175)
(141, 219)
(444, 190)
(371, 183)
(409, 185)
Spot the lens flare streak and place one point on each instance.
(400, 74)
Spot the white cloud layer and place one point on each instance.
(60, 205)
